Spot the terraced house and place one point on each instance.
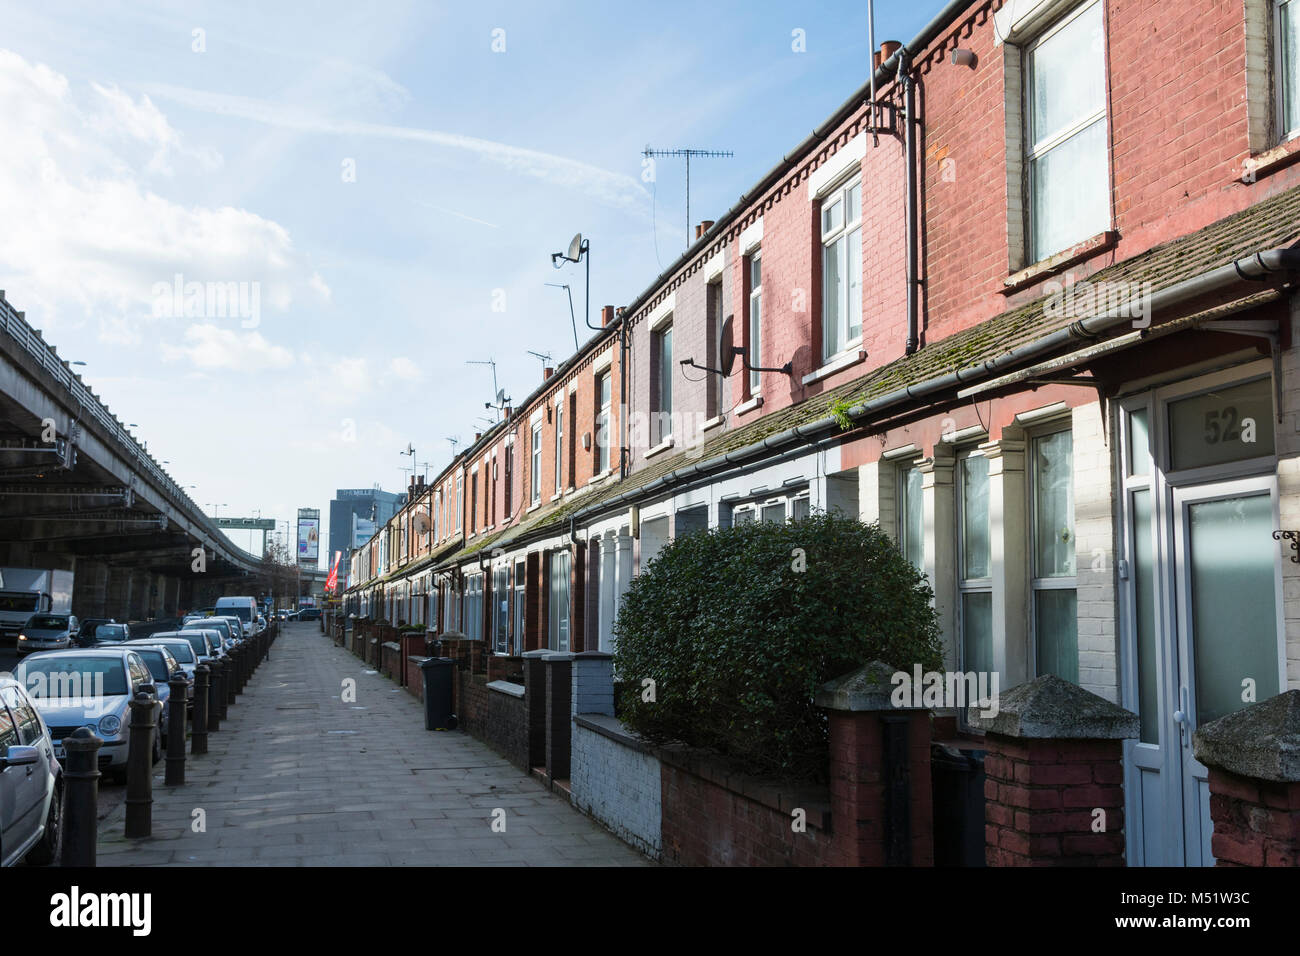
(1032, 310)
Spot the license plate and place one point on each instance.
(58, 750)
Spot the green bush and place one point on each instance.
(739, 627)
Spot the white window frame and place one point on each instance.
(903, 539)
(604, 381)
(1037, 582)
(558, 570)
(500, 616)
(460, 501)
(967, 585)
(845, 338)
(559, 446)
(755, 316)
(664, 385)
(517, 618)
(1035, 151)
(535, 479)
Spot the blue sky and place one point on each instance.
(135, 157)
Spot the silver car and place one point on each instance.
(217, 625)
(90, 688)
(47, 632)
(31, 782)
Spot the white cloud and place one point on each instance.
(612, 189)
(405, 369)
(87, 237)
(211, 347)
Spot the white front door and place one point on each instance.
(1200, 583)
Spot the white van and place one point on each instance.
(244, 608)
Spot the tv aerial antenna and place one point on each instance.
(545, 357)
(687, 153)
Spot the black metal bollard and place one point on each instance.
(217, 695)
(231, 677)
(202, 679)
(238, 657)
(175, 775)
(139, 767)
(80, 798)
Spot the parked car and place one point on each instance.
(220, 625)
(86, 632)
(205, 644)
(162, 665)
(237, 630)
(309, 614)
(31, 782)
(282, 615)
(111, 634)
(179, 646)
(89, 688)
(47, 632)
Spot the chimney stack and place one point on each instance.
(547, 372)
(606, 315)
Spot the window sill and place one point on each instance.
(836, 363)
(713, 422)
(533, 507)
(1067, 257)
(660, 448)
(749, 406)
(596, 479)
(1270, 160)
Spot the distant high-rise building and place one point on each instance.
(355, 513)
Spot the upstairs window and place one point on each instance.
(663, 350)
(536, 479)
(559, 446)
(460, 499)
(1065, 135)
(841, 216)
(604, 394)
(755, 318)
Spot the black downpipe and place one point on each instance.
(909, 145)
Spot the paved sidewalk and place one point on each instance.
(296, 777)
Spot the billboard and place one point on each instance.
(308, 536)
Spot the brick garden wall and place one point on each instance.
(712, 818)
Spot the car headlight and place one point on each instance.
(22, 637)
(110, 725)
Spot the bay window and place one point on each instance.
(1053, 614)
(975, 568)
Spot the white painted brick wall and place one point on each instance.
(1094, 538)
(618, 786)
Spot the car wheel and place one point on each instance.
(46, 851)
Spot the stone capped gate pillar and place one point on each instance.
(1054, 776)
(1254, 760)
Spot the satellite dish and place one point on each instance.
(575, 247)
(421, 523)
(501, 396)
(726, 352)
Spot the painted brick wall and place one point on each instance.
(1288, 479)
(1094, 541)
(619, 786)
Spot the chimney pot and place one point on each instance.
(705, 226)
(606, 315)
(478, 435)
(547, 372)
(888, 49)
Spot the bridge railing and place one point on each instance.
(91, 407)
